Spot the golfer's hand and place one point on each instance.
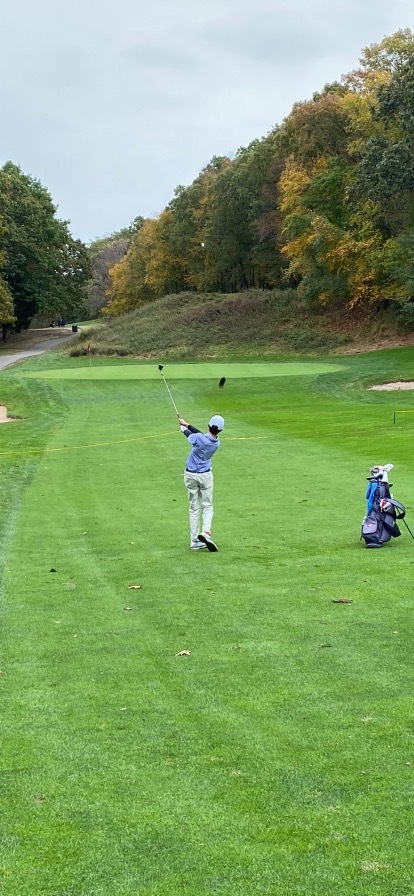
(182, 422)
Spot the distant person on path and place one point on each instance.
(198, 480)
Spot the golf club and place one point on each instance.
(407, 527)
(160, 368)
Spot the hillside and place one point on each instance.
(191, 325)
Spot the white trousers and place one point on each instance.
(200, 497)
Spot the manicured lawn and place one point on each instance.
(99, 370)
(277, 757)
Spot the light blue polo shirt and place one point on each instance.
(204, 446)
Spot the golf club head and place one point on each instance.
(160, 367)
(222, 381)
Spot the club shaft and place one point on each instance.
(170, 394)
(407, 527)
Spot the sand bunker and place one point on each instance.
(389, 387)
(3, 415)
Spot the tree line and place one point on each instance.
(323, 203)
(43, 269)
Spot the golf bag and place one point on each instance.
(380, 523)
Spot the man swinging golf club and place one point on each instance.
(198, 480)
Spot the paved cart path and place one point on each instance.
(39, 349)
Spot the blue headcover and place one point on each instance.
(372, 487)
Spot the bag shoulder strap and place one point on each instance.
(398, 506)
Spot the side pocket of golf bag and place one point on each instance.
(371, 531)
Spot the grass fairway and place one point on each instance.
(277, 757)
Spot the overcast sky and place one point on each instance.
(113, 103)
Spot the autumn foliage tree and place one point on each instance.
(324, 202)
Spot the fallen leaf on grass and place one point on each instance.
(342, 600)
(127, 608)
(134, 587)
(325, 645)
(184, 653)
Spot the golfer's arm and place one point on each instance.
(187, 430)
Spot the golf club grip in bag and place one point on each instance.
(380, 524)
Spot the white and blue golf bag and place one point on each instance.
(380, 523)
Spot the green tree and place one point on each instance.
(228, 232)
(6, 299)
(190, 210)
(40, 254)
(399, 263)
(6, 304)
(386, 170)
(73, 276)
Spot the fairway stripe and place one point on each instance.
(79, 447)
(117, 442)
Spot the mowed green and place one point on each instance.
(277, 756)
(97, 370)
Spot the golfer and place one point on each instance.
(198, 480)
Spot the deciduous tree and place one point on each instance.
(42, 261)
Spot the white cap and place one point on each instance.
(217, 421)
